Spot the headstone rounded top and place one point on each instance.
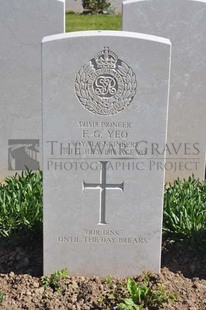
(107, 33)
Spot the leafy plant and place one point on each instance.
(21, 204)
(96, 6)
(54, 280)
(142, 295)
(185, 211)
(1, 296)
(109, 281)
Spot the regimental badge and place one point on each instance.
(105, 85)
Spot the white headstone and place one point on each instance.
(23, 24)
(184, 23)
(101, 100)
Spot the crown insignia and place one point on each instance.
(106, 59)
(105, 85)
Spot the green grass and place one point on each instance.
(92, 22)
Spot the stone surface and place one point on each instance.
(184, 23)
(101, 102)
(23, 24)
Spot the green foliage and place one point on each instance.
(184, 217)
(142, 296)
(1, 296)
(21, 204)
(70, 12)
(96, 6)
(92, 22)
(109, 280)
(185, 211)
(54, 280)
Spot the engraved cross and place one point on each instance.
(102, 186)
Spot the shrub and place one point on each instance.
(184, 217)
(21, 204)
(70, 12)
(96, 6)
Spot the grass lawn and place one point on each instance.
(92, 22)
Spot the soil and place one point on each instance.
(183, 273)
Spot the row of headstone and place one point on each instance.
(23, 25)
(105, 118)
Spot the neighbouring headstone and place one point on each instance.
(23, 24)
(104, 95)
(184, 23)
